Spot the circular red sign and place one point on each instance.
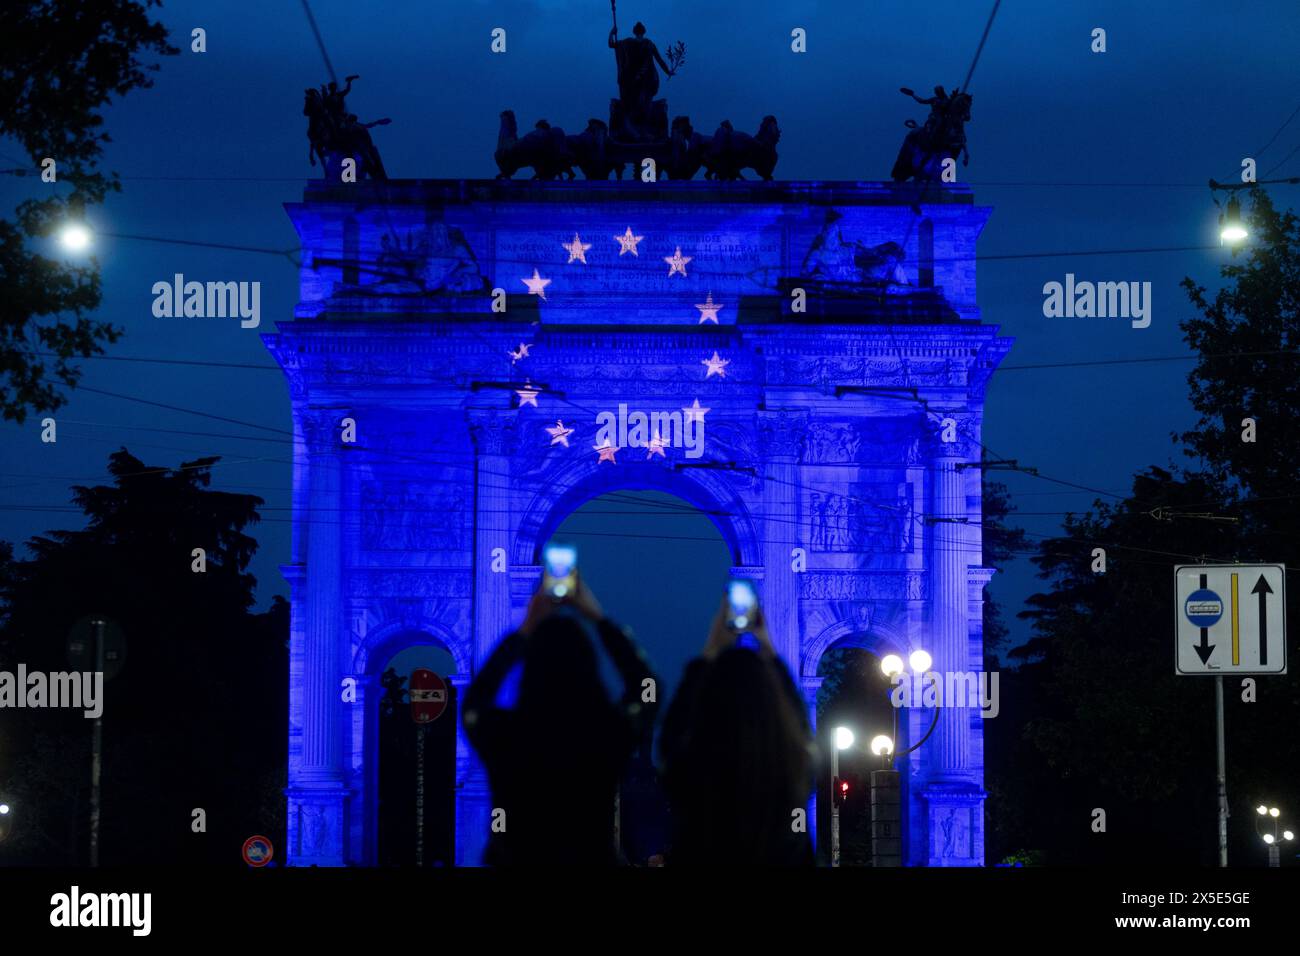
(428, 695)
(257, 851)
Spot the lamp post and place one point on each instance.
(842, 739)
(1266, 819)
(1232, 229)
(886, 803)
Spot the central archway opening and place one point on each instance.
(417, 765)
(855, 694)
(658, 565)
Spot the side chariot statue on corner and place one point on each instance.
(943, 136)
(334, 134)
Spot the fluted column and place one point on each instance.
(493, 433)
(781, 435)
(950, 759)
(810, 686)
(322, 729)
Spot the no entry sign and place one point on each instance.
(428, 695)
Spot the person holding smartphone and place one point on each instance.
(555, 758)
(736, 751)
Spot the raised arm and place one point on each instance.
(479, 710)
(634, 670)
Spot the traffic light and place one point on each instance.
(840, 790)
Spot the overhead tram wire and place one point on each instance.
(306, 8)
(873, 504)
(262, 367)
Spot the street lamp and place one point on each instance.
(1268, 816)
(1231, 228)
(75, 237)
(842, 739)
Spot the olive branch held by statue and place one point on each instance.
(676, 56)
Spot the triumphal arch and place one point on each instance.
(454, 347)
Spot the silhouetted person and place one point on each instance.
(554, 760)
(737, 756)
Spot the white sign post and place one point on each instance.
(1230, 619)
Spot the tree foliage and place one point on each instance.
(61, 62)
(196, 717)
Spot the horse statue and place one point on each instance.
(686, 150)
(588, 150)
(730, 152)
(545, 149)
(333, 140)
(942, 137)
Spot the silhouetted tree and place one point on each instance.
(61, 61)
(196, 718)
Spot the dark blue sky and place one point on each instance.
(1185, 90)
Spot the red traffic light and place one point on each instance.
(839, 790)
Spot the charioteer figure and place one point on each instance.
(638, 80)
(943, 136)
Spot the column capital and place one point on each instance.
(781, 432)
(954, 435)
(322, 428)
(492, 429)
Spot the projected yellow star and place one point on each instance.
(717, 366)
(677, 262)
(709, 310)
(656, 447)
(694, 413)
(536, 285)
(627, 242)
(606, 452)
(528, 394)
(559, 434)
(577, 250)
(519, 353)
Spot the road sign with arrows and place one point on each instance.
(1231, 619)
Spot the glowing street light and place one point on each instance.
(920, 661)
(843, 738)
(891, 664)
(75, 237)
(1231, 229)
(881, 745)
(1267, 816)
(4, 809)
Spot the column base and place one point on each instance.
(954, 824)
(473, 823)
(316, 825)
